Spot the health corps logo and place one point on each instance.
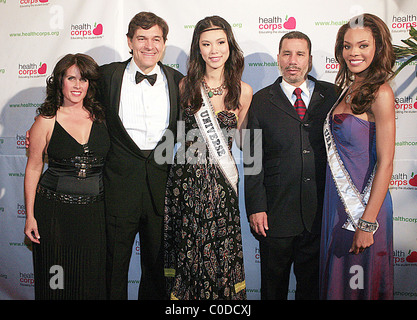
(403, 180)
(405, 104)
(400, 257)
(331, 65)
(20, 141)
(136, 247)
(86, 31)
(403, 23)
(32, 70)
(271, 24)
(27, 279)
(257, 255)
(21, 211)
(33, 3)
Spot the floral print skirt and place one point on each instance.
(202, 235)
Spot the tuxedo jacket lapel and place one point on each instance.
(319, 95)
(116, 88)
(173, 98)
(115, 92)
(280, 100)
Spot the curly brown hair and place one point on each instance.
(54, 97)
(381, 68)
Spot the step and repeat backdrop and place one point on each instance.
(35, 34)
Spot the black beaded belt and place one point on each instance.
(68, 198)
(85, 165)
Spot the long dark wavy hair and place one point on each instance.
(233, 69)
(379, 71)
(54, 97)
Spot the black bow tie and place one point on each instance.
(140, 76)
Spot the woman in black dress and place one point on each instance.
(64, 205)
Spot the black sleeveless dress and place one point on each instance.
(69, 262)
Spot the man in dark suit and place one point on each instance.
(284, 200)
(140, 113)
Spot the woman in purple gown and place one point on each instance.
(356, 243)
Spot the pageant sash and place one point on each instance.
(213, 136)
(353, 200)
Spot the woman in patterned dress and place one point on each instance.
(202, 235)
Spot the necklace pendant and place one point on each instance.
(348, 99)
(213, 91)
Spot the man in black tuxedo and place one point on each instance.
(284, 200)
(140, 113)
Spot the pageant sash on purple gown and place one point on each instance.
(353, 200)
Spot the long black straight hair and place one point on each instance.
(233, 69)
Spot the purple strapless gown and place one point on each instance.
(342, 273)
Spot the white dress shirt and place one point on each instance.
(144, 109)
(307, 88)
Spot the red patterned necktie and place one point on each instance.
(299, 105)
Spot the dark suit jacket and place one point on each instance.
(127, 170)
(290, 185)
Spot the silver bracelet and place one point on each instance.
(367, 226)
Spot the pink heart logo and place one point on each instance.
(42, 69)
(413, 181)
(412, 257)
(290, 23)
(98, 30)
